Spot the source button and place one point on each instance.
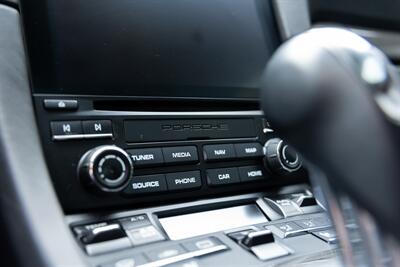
(146, 184)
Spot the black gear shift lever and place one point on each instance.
(336, 98)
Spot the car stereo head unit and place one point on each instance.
(103, 158)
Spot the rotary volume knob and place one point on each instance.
(105, 168)
(281, 158)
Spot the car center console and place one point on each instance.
(278, 228)
(150, 125)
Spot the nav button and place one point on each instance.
(183, 180)
(146, 156)
(219, 152)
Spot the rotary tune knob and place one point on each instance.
(280, 157)
(105, 168)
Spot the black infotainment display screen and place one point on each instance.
(167, 48)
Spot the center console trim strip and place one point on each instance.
(185, 256)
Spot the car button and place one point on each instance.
(249, 150)
(183, 180)
(222, 176)
(251, 173)
(60, 104)
(100, 127)
(62, 130)
(219, 152)
(166, 252)
(146, 184)
(146, 156)
(180, 154)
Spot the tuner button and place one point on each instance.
(105, 168)
(280, 157)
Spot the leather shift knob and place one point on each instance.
(335, 98)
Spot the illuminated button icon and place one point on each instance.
(61, 104)
(97, 127)
(66, 128)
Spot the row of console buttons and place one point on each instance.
(65, 130)
(301, 226)
(188, 154)
(114, 235)
(231, 151)
(158, 156)
(163, 182)
(192, 179)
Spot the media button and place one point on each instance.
(251, 173)
(249, 150)
(180, 154)
(146, 184)
(183, 180)
(219, 152)
(222, 176)
(146, 156)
